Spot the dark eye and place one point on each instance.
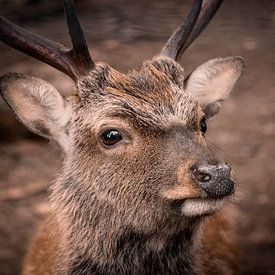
(110, 137)
(203, 126)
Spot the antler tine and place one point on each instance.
(177, 40)
(208, 10)
(189, 31)
(74, 62)
(80, 49)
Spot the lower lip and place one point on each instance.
(198, 206)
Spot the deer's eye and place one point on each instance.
(110, 137)
(203, 126)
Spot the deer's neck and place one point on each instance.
(134, 253)
(98, 240)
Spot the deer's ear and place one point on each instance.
(213, 81)
(38, 105)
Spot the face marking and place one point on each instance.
(185, 187)
(199, 207)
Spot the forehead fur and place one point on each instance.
(152, 96)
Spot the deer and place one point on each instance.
(140, 191)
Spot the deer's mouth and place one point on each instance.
(201, 206)
(198, 206)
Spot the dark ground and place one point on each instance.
(124, 33)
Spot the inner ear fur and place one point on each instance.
(213, 81)
(38, 105)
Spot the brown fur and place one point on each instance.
(217, 250)
(118, 210)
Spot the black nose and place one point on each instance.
(214, 180)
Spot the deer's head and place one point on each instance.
(134, 143)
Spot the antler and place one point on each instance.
(198, 18)
(74, 62)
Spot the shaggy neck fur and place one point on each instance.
(132, 254)
(97, 240)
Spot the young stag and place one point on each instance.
(139, 191)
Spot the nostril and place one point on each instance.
(214, 180)
(205, 178)
(202, 176)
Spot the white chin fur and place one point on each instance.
(198, 207)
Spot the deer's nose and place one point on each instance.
(214, 180)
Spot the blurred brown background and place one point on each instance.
(124, 33)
